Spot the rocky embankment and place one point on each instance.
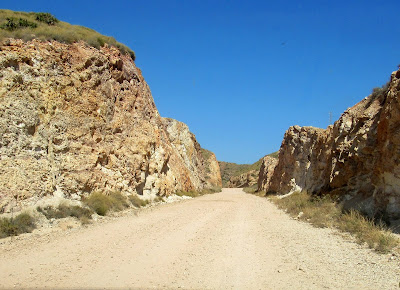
(76, 119)
(243, 180)
(358, 158)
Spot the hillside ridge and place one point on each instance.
(44, 26)
(241, 175)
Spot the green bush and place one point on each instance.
(23, 223)
(13, 23)
(102, 203)
(20, 25)
(46, 18)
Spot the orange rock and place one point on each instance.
(76, 119)
(358, 158)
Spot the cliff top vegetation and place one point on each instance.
(44, 26)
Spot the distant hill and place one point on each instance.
(229, 169)
(44, 26)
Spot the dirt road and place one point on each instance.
(228, 240)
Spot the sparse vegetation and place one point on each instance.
(211, 190)
(46, 18)
(274, 154)
(44, 26)
(376, 235)
(137, 201)
(326, 212)
(101, 203)
(22, 223)
(205, 153)
(63, 211)
(206, 156)
(190, 193)
(380, 91)
(193, 193)
(229, 169)
(159, 199)
(251, 189)
(14, 23)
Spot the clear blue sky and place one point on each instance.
(239, 73)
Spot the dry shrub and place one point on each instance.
(137, 201)
(102, 203)
(326, 212)
(22, 223)
(190, 193)
(211, 190)
(376, 235)
(63, 211)
(159, 199)
(251, 189)
(193, 193)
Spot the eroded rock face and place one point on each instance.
(74, 119)
(243, 180)
(357, 158)
(266, 171)
(212, 170)
(203, 169)
(301, 161)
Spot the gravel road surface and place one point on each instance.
(227, 240)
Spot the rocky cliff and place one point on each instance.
(203, 168)
(75, 119)
(212, 170)
(358, 158)
(243, 180)
(266, 171)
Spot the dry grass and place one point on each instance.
(22, 223)
(193, 193)
(159, 199)
(251, 189)
(101, 203)
(63, 211)
(326, 212)
(376, 235)
(137, 201)
(60, 31)
(211, 190)
(188, 193)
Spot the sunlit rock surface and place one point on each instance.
(75, 119)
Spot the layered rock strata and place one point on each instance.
(358, 158)
(76, 119)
